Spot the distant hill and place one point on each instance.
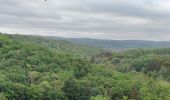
(117, 44)
(59, 44)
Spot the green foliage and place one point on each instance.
(82, 51)
(99, 97)
(37, 70)
(2, 96)
(78, 89)
(153, 62)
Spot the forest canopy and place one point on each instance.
(39, 70)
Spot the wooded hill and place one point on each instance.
(33, 70)
(116, 44)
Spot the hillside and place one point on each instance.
(153, 62)
(117, 44)
(33, 71)
(62, 45)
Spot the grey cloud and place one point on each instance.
(113, 19)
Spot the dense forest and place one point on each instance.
(39, 68)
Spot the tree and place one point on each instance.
(2, 96)
(1, 44)
(78, 89)
(99, 97)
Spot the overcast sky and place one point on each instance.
(106, 19)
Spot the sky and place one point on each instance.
(99, 19)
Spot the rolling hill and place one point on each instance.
(61, 45)
(117, 44)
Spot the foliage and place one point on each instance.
(33, 71)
